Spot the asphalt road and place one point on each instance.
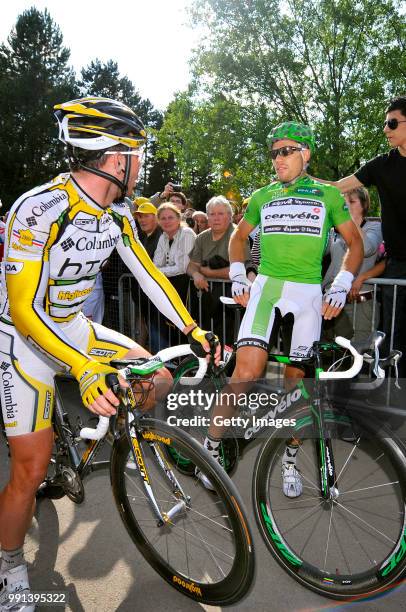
(84, 550)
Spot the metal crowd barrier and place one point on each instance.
(142, 321)
(375, 307)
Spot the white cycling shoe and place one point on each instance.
(15, 582)
(292, 480)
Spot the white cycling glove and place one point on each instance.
(336, 296)
(241, 284)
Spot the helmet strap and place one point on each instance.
(122, 185)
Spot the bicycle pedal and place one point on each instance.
(50, 491)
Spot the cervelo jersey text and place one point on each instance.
(295, 221)
(293, 216)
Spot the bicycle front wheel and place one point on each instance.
(205, 551)
(351, 544)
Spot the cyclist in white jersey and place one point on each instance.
(57, 238)
(295, 214)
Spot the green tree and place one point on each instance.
(323, 62)
(217, 145)
(34, 75)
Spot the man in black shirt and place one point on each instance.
(388, 173)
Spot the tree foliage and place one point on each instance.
(216, 146)
(330, 63)
(34, 75)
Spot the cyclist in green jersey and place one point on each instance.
(295, 214)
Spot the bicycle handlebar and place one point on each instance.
(165, 355)
(353, 370)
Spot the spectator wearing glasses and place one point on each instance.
(201, 222)
(387, 173)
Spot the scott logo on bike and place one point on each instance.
(140, 460)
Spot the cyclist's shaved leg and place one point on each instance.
(250, 365)
(30, 455)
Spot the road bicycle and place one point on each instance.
(199, 543)
(345, 536)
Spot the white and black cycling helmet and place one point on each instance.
(90, 126)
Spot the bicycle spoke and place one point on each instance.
(347, 461)
(365, 522)
(358, 541)
(328, 535)
(213, 546)
(385, 484)
(210, 552)
(302, 519)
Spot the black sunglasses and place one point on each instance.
(392, 123)
(284, 151)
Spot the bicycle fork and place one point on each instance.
(179, 508)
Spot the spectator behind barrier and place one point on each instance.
(150, 231)
(175, 242)
(209, 261)
(201, 222)
(172, 255)
(170, 194)
(358, 202)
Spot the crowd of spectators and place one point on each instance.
(191, 248)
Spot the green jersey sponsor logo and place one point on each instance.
(310, 190)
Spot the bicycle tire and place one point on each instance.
(230, 541)
(302, 556)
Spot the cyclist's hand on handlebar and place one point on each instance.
(204, 344)
(94, 389)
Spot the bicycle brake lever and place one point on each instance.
(113, 383)
(377, 370)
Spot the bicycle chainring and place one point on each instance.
(72, 484)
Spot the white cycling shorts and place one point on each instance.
(27, 375)
(271, 302)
